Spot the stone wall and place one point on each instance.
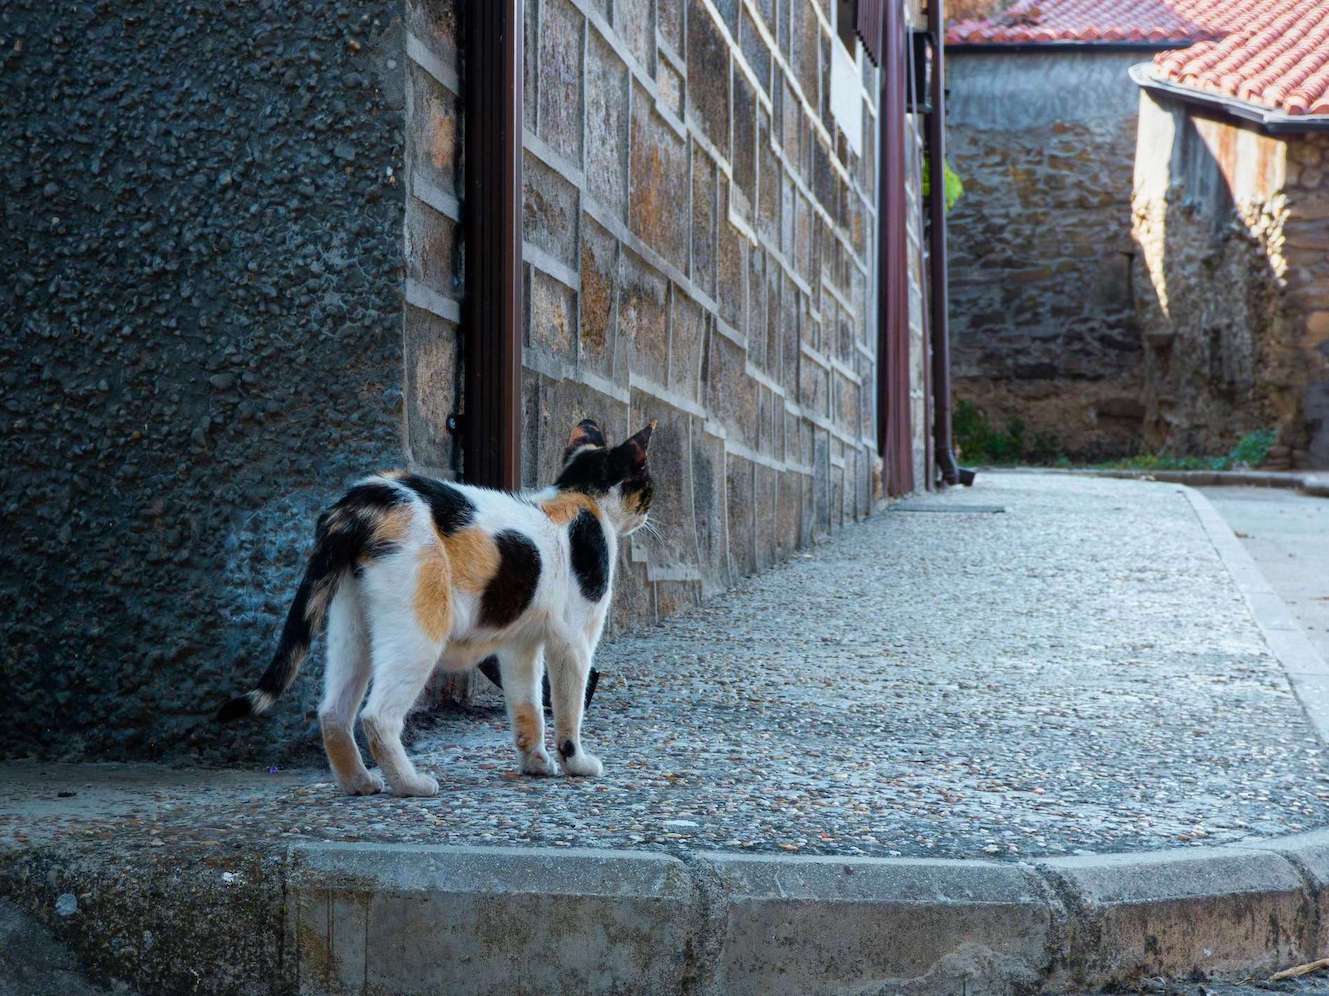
(698, 244)
(1232, 283)
(1043, 324)
(201, 342)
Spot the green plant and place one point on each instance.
(1253, 448)
(980, 442)
(954, 185)
(1251, 451)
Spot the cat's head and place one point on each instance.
(617, 477)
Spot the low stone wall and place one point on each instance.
(1232, 285)
(1043, 326)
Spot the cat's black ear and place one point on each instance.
(584, 433)
(633, 451)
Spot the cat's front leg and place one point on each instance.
(569, 666)
(521, 668)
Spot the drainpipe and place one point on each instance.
(951, 473)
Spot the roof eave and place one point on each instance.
(1274, 122)
(1066, 45)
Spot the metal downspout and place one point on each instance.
(951, 473)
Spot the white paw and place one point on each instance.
(537, 763)
(368, 783)
(583, 765)
(423, 785)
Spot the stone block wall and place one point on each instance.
(1043, 324)
(202, 342)
(698, 250)
(1232, 283)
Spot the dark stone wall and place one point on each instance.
(1043, 323)
(201, 342)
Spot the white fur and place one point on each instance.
(376, 641)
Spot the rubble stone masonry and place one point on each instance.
(1232, 283)
(1043, 324)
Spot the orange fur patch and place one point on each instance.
(473, 558)
(565, 507)
(392, 525)
(526, 726)
(343, 755)
(433, 592)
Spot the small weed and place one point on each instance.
(980, 442)
(1251, 451)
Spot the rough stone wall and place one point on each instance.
(201, 342)
(1043, 323)
(1305, 298)
(698, 244)
(1233, 283)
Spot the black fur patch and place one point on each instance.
(590, 555)
(589, 472)
(452, 511)
(566, 749)
(511, 589)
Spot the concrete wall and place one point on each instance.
(1232, 283)
(201, 342)
(1043, 323)
(698, 245)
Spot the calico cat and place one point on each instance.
(414, 573)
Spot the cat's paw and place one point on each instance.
(419, 785)
(537, 763)
(583, 765)
(365, 783)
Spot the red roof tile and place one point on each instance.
(1038, 21)
(1274, 53)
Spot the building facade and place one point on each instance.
(1142, 273)
(1231, 215)
(241, 290)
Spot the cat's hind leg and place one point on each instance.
(521, 668)
(344, 681)
(404, 656)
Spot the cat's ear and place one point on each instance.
(584, 433)
(633, 450)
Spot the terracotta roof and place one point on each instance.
(1270, 53)
(1039, 21)
(1275, 54)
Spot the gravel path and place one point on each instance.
(1077, 673)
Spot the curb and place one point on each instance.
(422, 919)
(1306, 670)
(1313, 483)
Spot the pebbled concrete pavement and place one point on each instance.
(1287, 533)
(1041, 689)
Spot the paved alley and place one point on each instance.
(1074, 673)
(1288, 535)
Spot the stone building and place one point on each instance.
(1042, 131)
(1231, 215)
(1143, 272)
(204, 337)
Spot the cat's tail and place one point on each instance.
(353, 531)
